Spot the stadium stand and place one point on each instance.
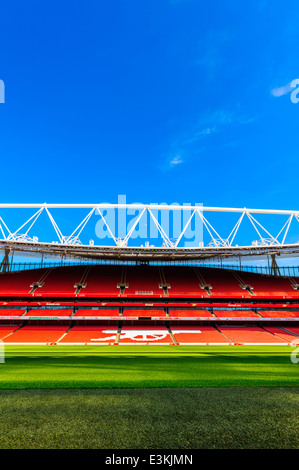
(198, 335)
(221, 283)
(293, 329)
(97, 313)
(19, 282)
(49, 312)
(140, 281)
(7, 330)
(189, 313)
(61, 281)
(81, 334)
(11, 312)
(249, 335)
(145, 335)
(179, 282)
(278, 314)
(102, 281)
(138, 313)
(265, 286)
(235, 314)
(40, 334)
(282, 333)
(143, 304)
(182, 282)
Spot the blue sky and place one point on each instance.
(160, 100)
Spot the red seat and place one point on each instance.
(278, 314)
(19, 282)
(144, 313)
(49, 312)
(91, 334)
(191, 313)
(183, 282)
(102, 281)
(7, 330)
(269, 286)
(145, 335)
(143, 281)
(11, 312)
(235, 314)
(61, 281)
(198, 335)
(293, 329)
(223, 283)
(250, 335)
(282, 333)
(37, 334)
(99, 312)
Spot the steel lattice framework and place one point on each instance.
(219, 246)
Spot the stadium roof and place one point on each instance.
(265, 244)
(88, 252)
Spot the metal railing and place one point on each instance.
(283, 271)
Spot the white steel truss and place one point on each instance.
(264, 237)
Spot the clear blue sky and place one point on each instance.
(161, 100)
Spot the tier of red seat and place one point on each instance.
(199, 335)
(189, 313)
(294, 329)
(140, 281)
(7, 330)
(278, 314)
(11, 312)
(250, 335)
(222, 283)
(153, 313)
(97, 312)
(145, 335)
(265, 286)
(106, 334)
(144, 281)
(20, 282)
(91, 334)
(48, 312)
(102, 281)
(60, 281)
(138, 313)
(182, 282)
(282, 333)
(235, 314)
(36, 334)
(137, 334)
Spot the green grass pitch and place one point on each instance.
(135, 397)
(147, 366)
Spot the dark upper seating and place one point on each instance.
(115, 281)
